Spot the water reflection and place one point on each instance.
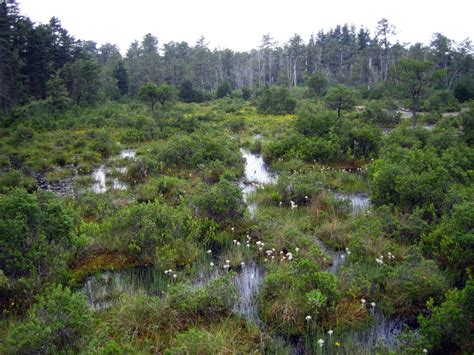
(360, 202)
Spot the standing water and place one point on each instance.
(248, 282)
(359, 201)
(255, 174)
(99, 174)
(255, 169)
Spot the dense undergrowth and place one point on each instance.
(410, 256)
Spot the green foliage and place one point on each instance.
(222, 201)
(215, 299)
(362, 140)
(452, 241)
(59, 322)
(165, 93)
(308, 149)
(121, 75)
(149, 93)
(409, 178)
(312, 120)
(413, 76)
(340, 98)
(275, 101)
(57, 92)
(299, 188)
(442, 101)
(188, 94)
(176, 255)
(381, 113)
(103, 143)
(16, 178)
(170, 187)
(22, 134)
(82, 81)
(292, 292)
(449, 328)
(246, 93)
(317, 83)
(33, 227)
(190, 151)
(223, 90)
(411, 284)
(468, 125)
(464, 89)
(139, 229)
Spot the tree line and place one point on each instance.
(44, 61)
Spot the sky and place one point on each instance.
(240, 25)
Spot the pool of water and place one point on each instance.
(360, 202)
(101, 175)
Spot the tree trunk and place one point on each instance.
(295, 80)
(415, 108)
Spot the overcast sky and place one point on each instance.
(239, 25)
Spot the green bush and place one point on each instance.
(293, 291)
(412, 283)
(59, 322)
(275, 101)
(464, 89)
(139, 229)
(299, 188)
(222, 201)
(442, 101)
(468, 125)
(362, 140)
(177, 255)
(214, 300)
(16, 179)
(452, 241)
(169, 187)
(409, 178)
(313, 120)
(33, 227)
(191, 150)
(449, 327)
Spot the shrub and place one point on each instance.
(170, 187)
(59, 322)
(191, 150)
(299, 188)
(408, 179)
(452, 241)
(214, 300)
(449, 328)
(275, 101)
(442, 101)
(179, 254)
(312, 120)
(363, 141)
(291, 292)
(15, 179)
(33, 227)
(464, 89)
(412, 283)
(222, 201)
(381, 113)
(223, 90)
(139, 229)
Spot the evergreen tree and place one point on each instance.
(120, 73)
